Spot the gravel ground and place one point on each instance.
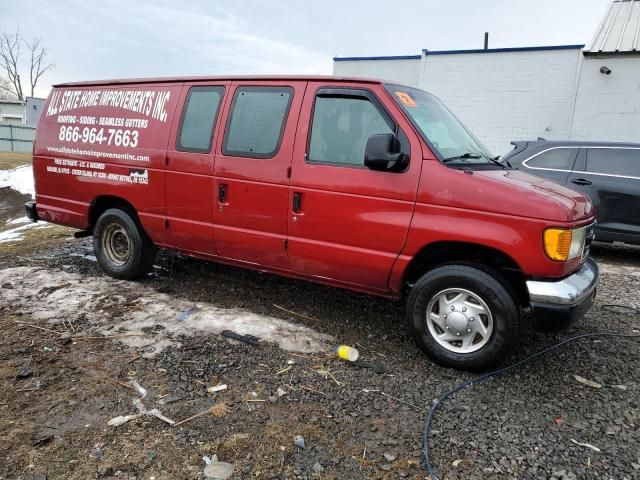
(535, 422)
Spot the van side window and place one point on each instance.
(555, 159)
(198, 118)
(614, 161)
(257, 121)
(341, 127)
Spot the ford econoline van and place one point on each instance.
(352, 183)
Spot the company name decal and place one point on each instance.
(151, 103)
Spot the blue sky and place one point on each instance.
(126, 38)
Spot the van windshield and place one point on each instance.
(452, 142)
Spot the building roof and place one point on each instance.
(378, 57)
(457, 52)
(502, 50)
(619, 30)
(11, 101)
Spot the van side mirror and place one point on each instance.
(383, 153)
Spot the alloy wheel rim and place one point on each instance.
(459, 320)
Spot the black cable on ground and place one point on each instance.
(487, 376)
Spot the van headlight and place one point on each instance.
(563, 244)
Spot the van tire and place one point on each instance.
(121, 246)
(484, 295)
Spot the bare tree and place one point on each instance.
(6, 91)
(39, 64)
(9, 56)
(10, 50)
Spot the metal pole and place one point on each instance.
(486, 40)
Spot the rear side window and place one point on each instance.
(341, 127)
(257, 120)
(614, 161)
(556, 159)
(198, 119)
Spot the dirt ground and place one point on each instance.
(68, 357)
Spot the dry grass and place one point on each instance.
(10, 160)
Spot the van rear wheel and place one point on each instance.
(121, 246)
(463, 316)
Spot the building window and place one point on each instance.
(199, 118)
(555, 159)
(13, 119)
(256, 122)
(341, 128)
(614, 161)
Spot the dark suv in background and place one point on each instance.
(608, 172)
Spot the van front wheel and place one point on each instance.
(463, 316)
(121, 246)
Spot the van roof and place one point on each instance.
(195, 79)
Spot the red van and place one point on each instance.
(352, 183)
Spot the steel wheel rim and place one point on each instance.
(116, 244)
(459, 320)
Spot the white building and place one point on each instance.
(18, 112)
(555, 92)
(12, 111)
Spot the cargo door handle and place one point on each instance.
(222, 193)
(581, 181)
(296, 202)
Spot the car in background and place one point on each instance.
(607, 172)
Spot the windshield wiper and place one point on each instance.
(475, 155)
(497, 162)
(461, 157)
(504, 161)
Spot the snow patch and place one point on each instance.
(19, 178)
(18, 221)
(17, 234)
(618, 269)
(82, 255)
(138, 316)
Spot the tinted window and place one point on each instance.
(257, 121)
(558, 158)
(341, 127)
(199, 116)
(614, 161)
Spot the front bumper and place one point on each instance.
(567, 300)
(32, 213)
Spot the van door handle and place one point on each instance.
(581, 181)
(296, 202)
(222, 193)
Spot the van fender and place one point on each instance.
(151, 223)
(517, 240)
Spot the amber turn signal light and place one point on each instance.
(557, 243)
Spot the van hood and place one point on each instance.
(513, 192)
